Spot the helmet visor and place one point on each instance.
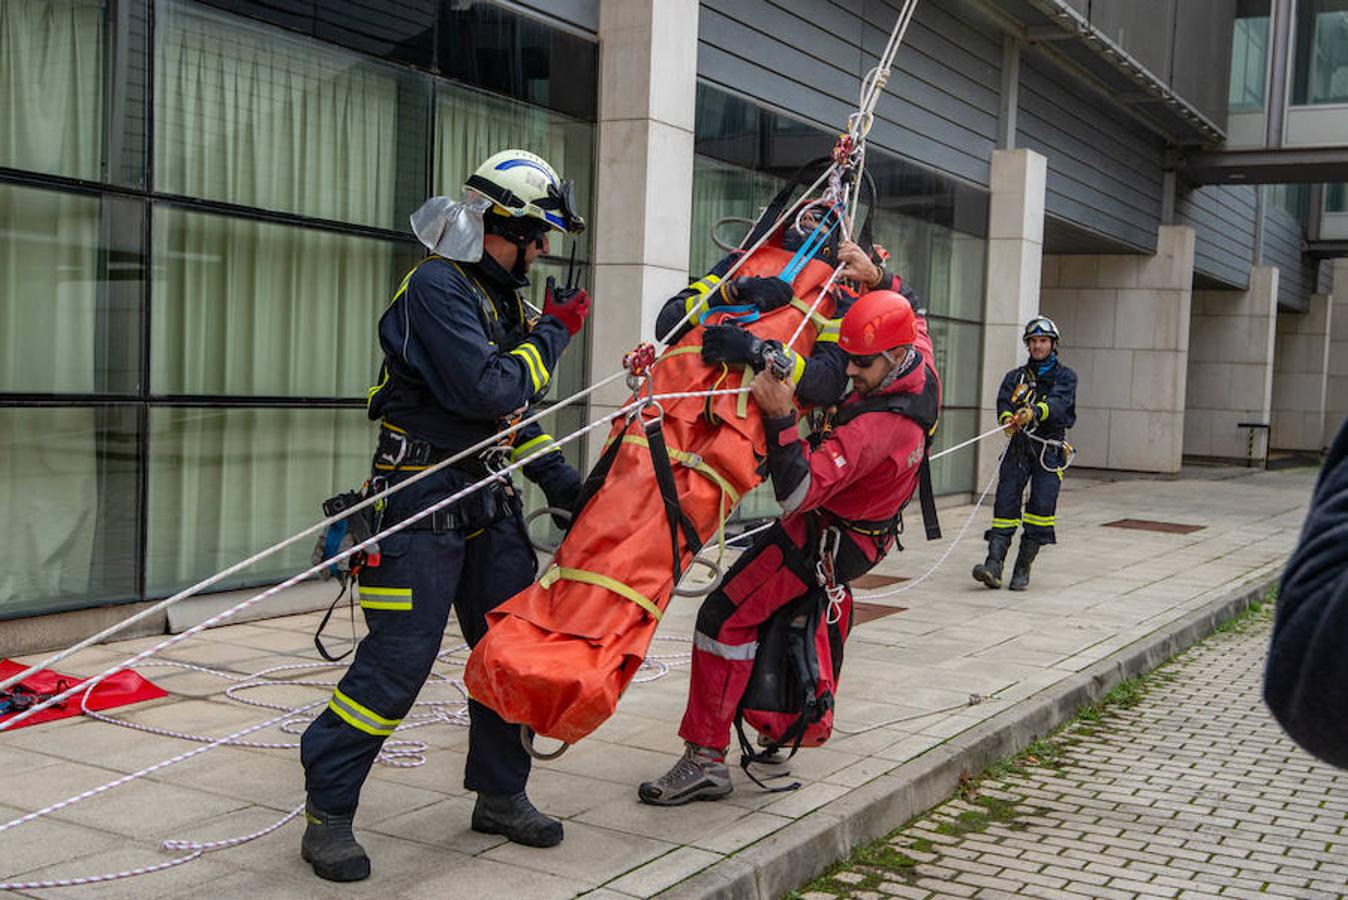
(560, 207)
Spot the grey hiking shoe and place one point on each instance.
(330, 847)
(700, 774)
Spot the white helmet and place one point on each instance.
(522, 184)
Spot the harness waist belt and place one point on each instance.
(399, 451)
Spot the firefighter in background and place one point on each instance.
(1039, 399)
(857, 480)
(461, 360)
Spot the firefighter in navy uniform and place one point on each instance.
(1039, 397)
(461, 360)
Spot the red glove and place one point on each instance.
(569, 306)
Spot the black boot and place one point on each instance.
(1020, 576)
(990, 573)
(331, 849)
(513, 816)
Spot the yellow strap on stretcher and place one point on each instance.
(693, 462)
(560, 573)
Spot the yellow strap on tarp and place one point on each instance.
(693, 462)
(820, 320)
(562, 573)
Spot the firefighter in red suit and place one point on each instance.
(857, 479)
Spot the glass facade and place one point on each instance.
(1249, 56)
(1336, 198)
(934, 229)
(196, 241)
(1320, 67)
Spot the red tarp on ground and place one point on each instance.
(117, 689)
(558, 655)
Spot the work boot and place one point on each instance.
(700, 774)
(330, 848)
(1020, 575)
(990, 572)
(516, 819)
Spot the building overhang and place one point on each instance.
(1327, 249)
(1284, 166)
(1069, 39)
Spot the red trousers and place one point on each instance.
(776, 570)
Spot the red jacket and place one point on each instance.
(866, 468)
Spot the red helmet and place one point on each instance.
(880, 320)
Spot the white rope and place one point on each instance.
(312, 529)
(339, 557)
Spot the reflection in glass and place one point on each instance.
(251, 308)
(68, 487)
(1320, 73)
(51, 87)
(471, 126)
(955, 472)
(250, 115)
(224, 483)
(721, 190)
(1336, 197)
(1249, 63)
(69, 302)
(516, 56)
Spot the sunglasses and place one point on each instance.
(863, 361)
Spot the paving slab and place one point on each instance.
(959, 677)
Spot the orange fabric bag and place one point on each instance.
(558, 655)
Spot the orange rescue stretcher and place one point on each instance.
(558, 655)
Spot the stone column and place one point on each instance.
(1011, 297)
(1300, 370)
(1125, 325)
(1336, 393)
(643, 215)
(1231, 337)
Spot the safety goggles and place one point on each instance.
(863, 360)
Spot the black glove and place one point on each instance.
(731, 344)
(562, 493)
(765, 293)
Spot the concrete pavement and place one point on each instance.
(1105, 603)
(1187, 789)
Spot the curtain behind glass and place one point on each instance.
(251, 308)
(68, 491)
(224, 483)
(249, 115)
(48, 290)
(471, 126)
(719, 190)
(51, 86)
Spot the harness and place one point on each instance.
(924, 409)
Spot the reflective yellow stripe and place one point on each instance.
(742, 401)
(692, 461)
(1043, 411)
(360, 717)
(363, 592)
(829, 333)
(530, 446)
(556, 573)
(797, 366)
(1005, 523)
(1042, 521)
(534, 361)
(702, 288)
(1004, 418)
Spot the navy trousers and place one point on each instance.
(1020, 467)
(406, 602)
